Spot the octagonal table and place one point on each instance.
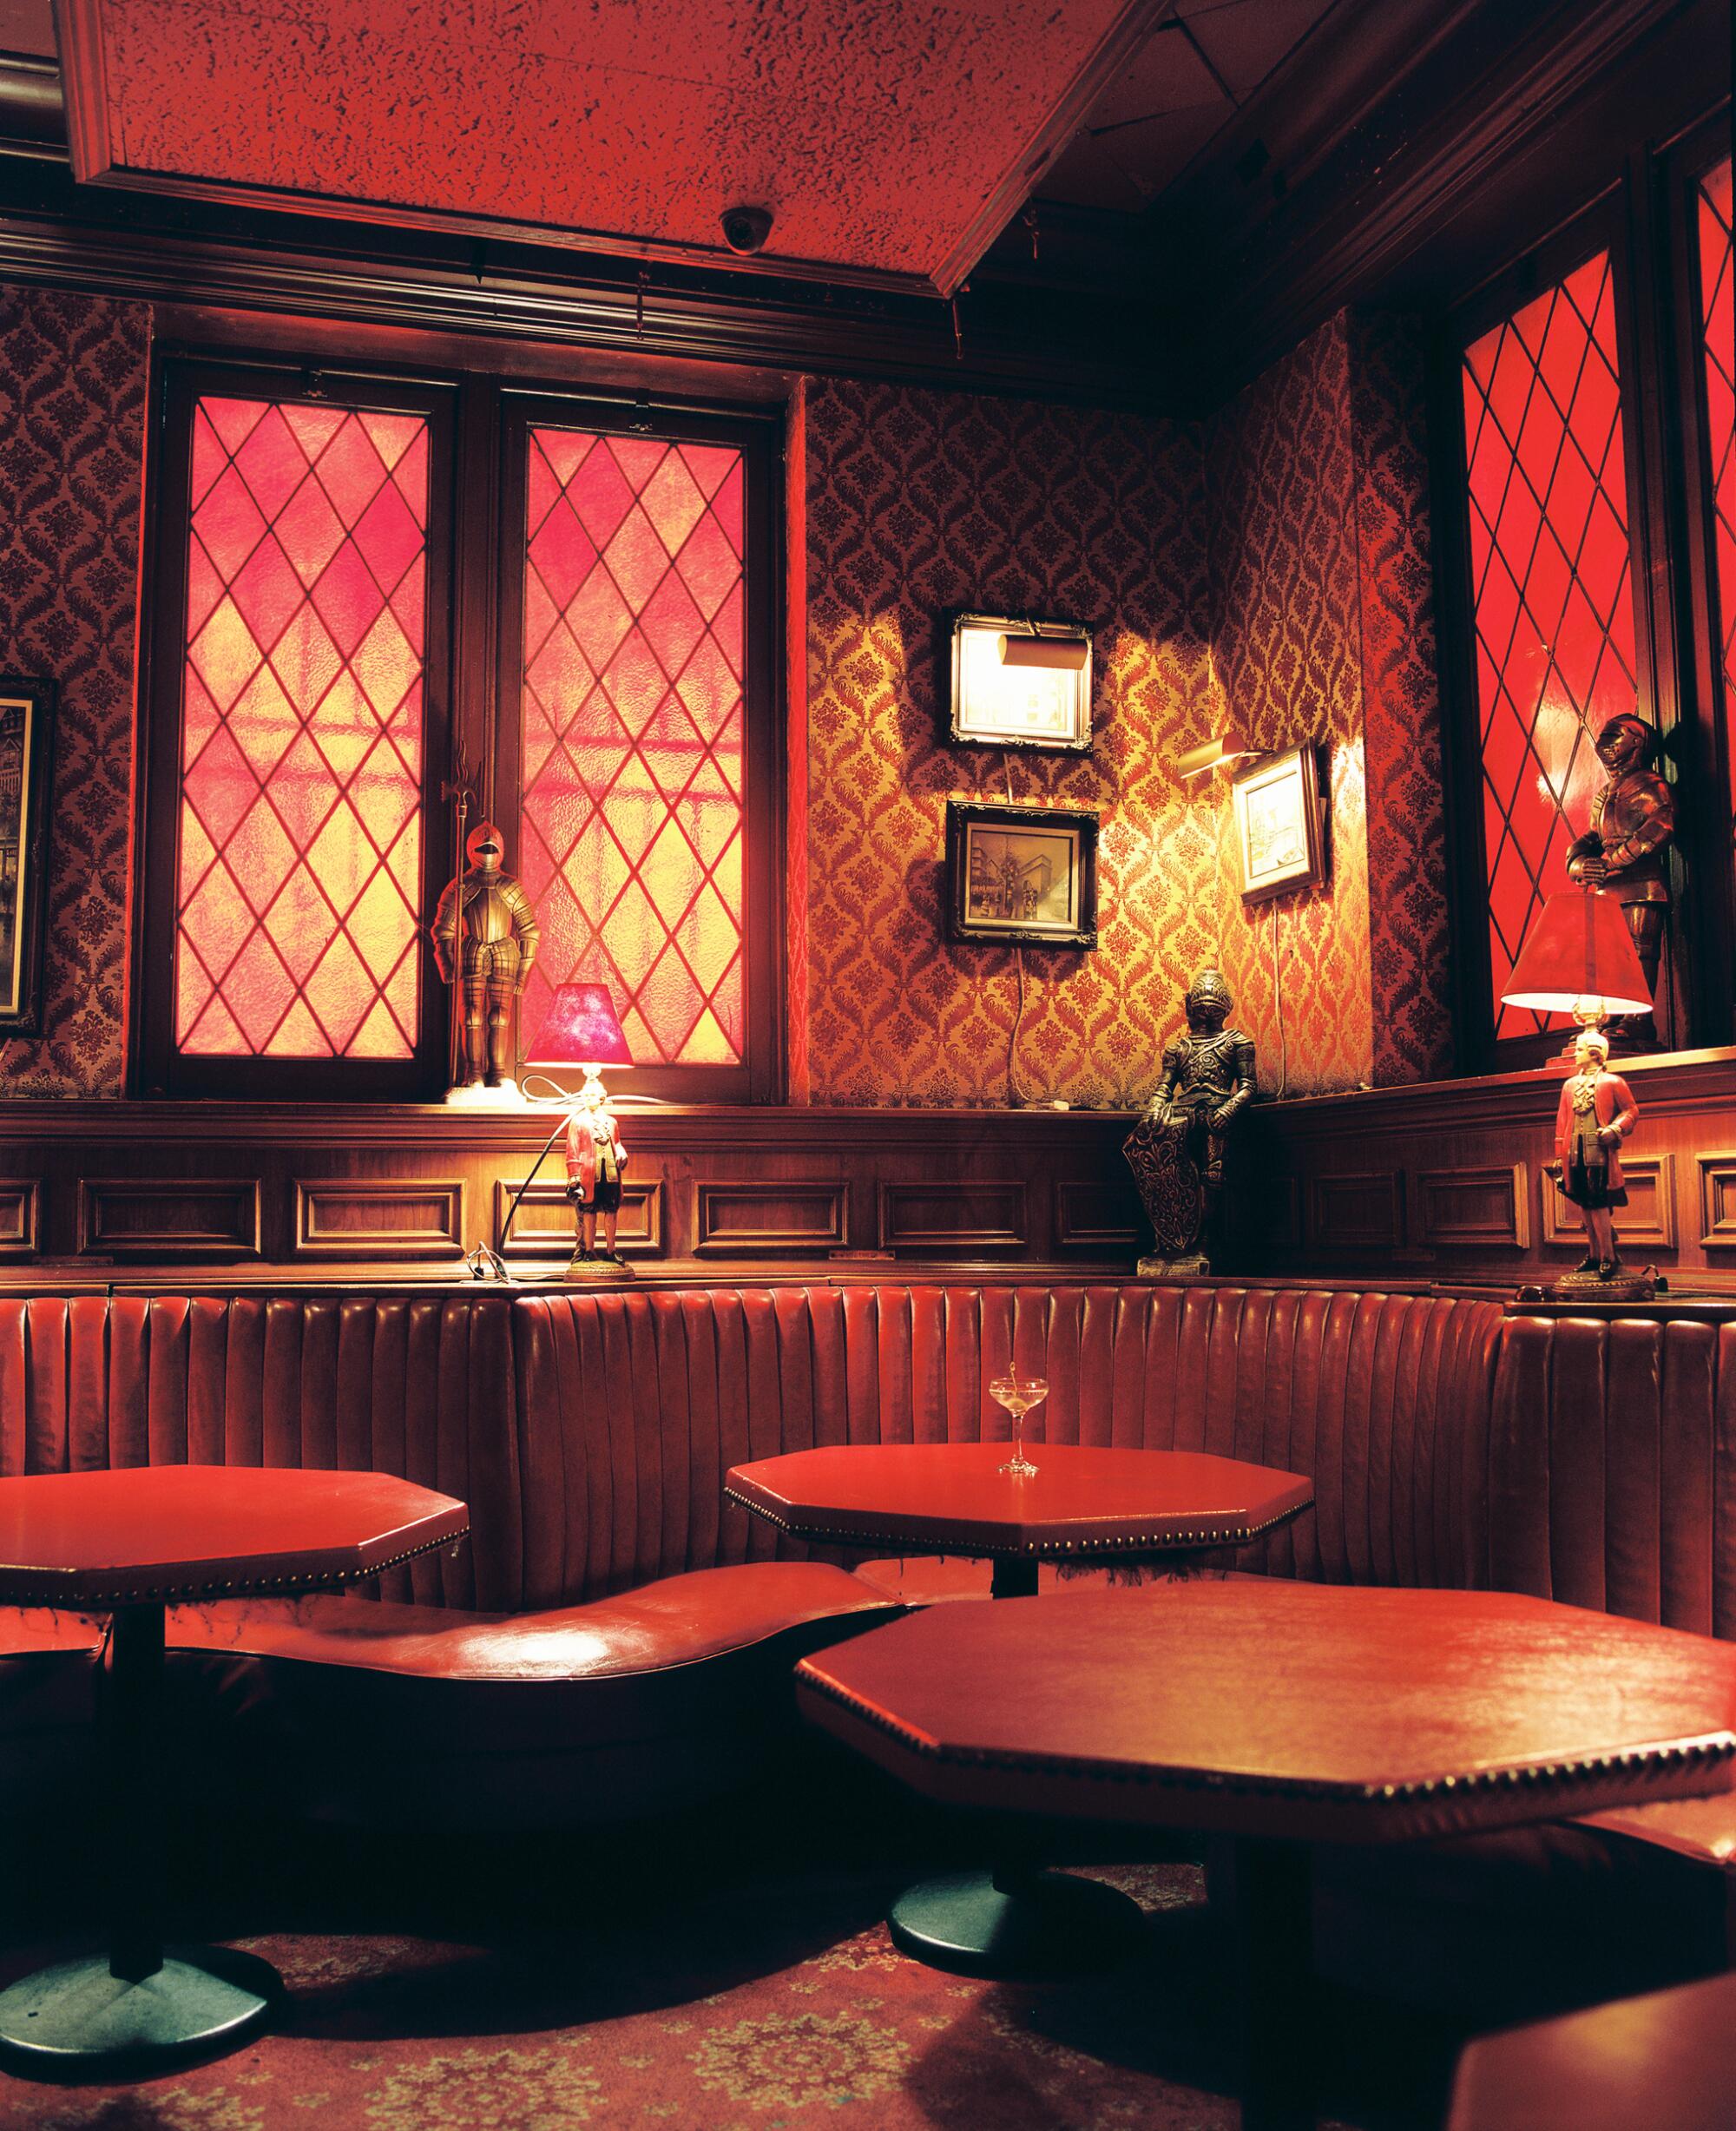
(1082, 1504)
(128, 1543)
(1281, 1715)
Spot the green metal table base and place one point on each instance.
(1016, 1922)
(141, 2007)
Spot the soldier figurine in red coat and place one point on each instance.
(1596, 1114)
(595, 1158)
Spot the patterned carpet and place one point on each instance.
(624, 1982)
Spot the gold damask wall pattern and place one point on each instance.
(72, 420)
(917, 502)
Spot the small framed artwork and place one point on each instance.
(1276, 806)
(1021, 683)
(1024, 875)
(26, 748)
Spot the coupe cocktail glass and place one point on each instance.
(1018, 1395)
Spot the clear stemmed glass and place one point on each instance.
(1018, 1395)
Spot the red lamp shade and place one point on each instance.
(1580, 949)
(581, 1027)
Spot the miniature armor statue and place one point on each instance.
(1625, 849)
(1596, 1113)
(485, 928)
(1176, 1151)
(595, 1158)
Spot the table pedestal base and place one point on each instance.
(79, 2017)
(1016, 1924)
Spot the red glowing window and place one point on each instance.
(1718, 319)
(631, 790)
(1552, 591)
(300, 825)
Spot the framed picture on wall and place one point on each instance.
(1277, 808)
(26, 748)
(1021, 683)
(1026, 875)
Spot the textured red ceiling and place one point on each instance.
(877, 134)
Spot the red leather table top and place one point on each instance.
(1260, 1706)
(152, 1532)
(952, 1497)
(1666, 2062)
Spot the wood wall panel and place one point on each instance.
(1646, 1222)
(379, 1217)
(1359, 1210)
(1453, 1145)
(1489, 1208)
(1717, 1202)
(21, 1199)
(759, 1219)
(1096, 1215)
(412, 1182)
(167, 1216)
(961, 1217)
(545, 1223)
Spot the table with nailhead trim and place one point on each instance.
(128, 1544)
(1084, 1504)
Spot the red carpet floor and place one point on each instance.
(728, 1972)
(851, 2035)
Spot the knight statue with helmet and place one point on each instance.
(485, 936)
(1176, 1150)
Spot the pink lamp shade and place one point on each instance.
(1580, 949)
(581, 1027)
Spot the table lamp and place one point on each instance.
(1580, 959)
(580, 1029)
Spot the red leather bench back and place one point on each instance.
(1612, 1467)
(631, 1407)
(418, 1387)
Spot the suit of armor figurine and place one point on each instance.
(1176, 1151)
(1625, 849)
(485, 928)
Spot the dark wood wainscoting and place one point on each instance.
(110, 1189)
(1457, 1181)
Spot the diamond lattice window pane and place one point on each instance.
(632, 735)
(1718, 312)
(1551, 583)
(300, 819)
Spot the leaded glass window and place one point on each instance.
(1551, 587)
(300, 821)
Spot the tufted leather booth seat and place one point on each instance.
(1594, 1462)
(641, 1630)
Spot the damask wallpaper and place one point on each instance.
(919, 502)
(1289, 535)
(1323, 630)
(72, 412)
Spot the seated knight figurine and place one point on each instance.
(1176, 1150)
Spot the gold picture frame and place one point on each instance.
(1023, 876)
(996, 705)
(27, 711)
(1276, 806)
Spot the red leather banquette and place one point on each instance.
(615, 1637)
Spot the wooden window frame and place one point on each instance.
(757, 1078)
(476, 560)
(1641, 217)
(159, 1068)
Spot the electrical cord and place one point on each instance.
(1278, 1002)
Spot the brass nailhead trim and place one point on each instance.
(1696, 1754)
(175, 1593)
(1042, 1550)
